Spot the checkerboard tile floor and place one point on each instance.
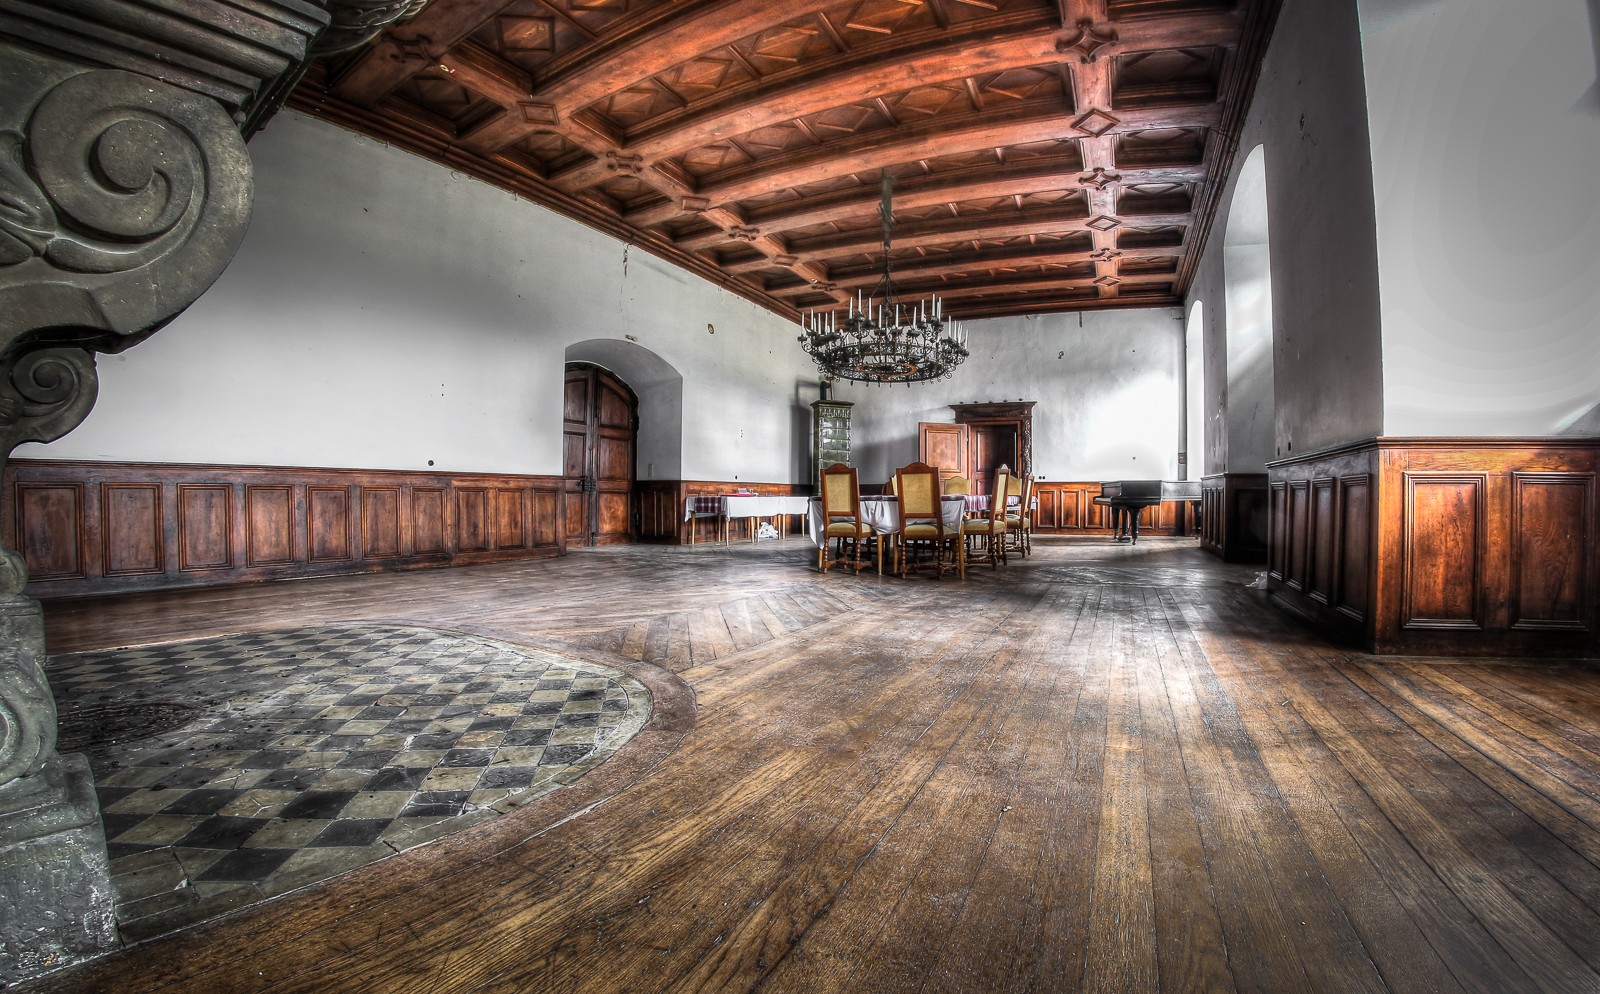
(232, 769)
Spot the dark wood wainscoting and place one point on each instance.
(661, 503)
(1234, 516)
(96, 528)
(1453, 546)
(1065, 508)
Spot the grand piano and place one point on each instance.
(1127, 498)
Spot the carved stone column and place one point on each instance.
(124, 192)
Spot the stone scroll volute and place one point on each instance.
(122, 199)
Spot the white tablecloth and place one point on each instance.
(761, 506)
(882, 515)
(753, 506)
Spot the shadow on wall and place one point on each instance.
(1585, 423)
(803, 468)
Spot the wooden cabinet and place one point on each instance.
(830, 436)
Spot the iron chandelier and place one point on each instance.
(882, 339)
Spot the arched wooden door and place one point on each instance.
(599, 423)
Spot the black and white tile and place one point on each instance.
(235, 768)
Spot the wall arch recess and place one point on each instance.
(659, 388)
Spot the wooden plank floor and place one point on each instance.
(1099, 769)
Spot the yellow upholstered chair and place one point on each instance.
(1019, 519)
(841, 518)
(991, 527)
(958, 485)
(921, 524)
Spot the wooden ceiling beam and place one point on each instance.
(872, 152)
(684, 31)
(952, 58)
(957, 294)
(1039, 304)
(938, 233)
(485, 74)
(958, 265)
(408, 47)
(815, 187)
(944, 189)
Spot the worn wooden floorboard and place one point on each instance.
(1323, 801)
(1100, 768)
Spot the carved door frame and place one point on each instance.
(1018, 415)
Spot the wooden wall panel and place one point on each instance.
(328, 524)
(269, 522)
(381, 530)
(428, 525)
(50, 529)
(132, 541)
(205, 526)
(1212, 514)
(1278, 501)
(1321, 547)
(1353, 545)
(1449, 546)
(1299, 523)
(1442, 579)
(1553, 551)
(1068, 506)
(472, 520)
(93, 528)
(547, 522)
(1237, 518)
(510, 520)
(1050, 515)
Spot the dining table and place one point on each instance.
(725, 507)
(881, 514)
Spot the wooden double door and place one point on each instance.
(600, 422)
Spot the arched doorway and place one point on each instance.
(600, 425)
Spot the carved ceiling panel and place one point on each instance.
(1048, 154)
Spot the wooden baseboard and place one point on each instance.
(89, 528)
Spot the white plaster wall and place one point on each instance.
(1108, 387)
(1309, 114)
(1194, 391)
(1485, 122)
(384, 312)
(1251, 401)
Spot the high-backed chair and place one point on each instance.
(1019, 518)
(958, 485)
(991, 527)
(921, 523)
(841, 518)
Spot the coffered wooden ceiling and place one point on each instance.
(1048, 155)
